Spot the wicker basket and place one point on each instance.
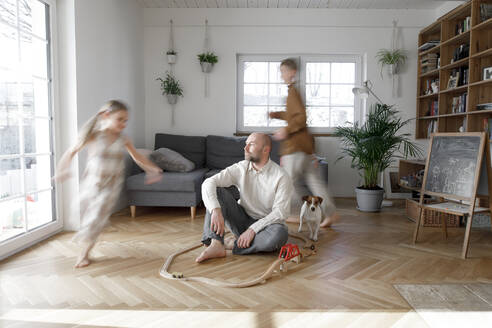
(431, 218)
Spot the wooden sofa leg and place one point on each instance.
(133, 209)
(193, 212)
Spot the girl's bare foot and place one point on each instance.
(329, 220)
(83, 262)
(215, 250)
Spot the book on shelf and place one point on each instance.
(485, 11)
(458, 104)
(432, 127)
(462, 26)
(431, 87)
(460, 52)
(429, 44)
(433, 108)
(487, 126)
(485, 106)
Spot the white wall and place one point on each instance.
(266, 31)
(100, 58)
(447, 7)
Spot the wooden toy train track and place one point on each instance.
(288, 253)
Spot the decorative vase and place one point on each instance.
(171, 59)
(206, 67)
(172, 99)
(393, 69)
(369, 200)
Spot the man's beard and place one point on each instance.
(252, 158)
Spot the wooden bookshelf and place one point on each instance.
(464, 50)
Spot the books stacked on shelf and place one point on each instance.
(431, 86)
(429, 44)
(485, 11)
(462, 26)
(486, 106)
(432, 127)
(428, 62)
(433, 109)
(458, 104)
(461, 52)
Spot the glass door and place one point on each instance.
(27, 194)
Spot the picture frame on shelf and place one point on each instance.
(391, 186)
(453, 80)
(487, 73)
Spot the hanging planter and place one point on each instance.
(207, 61)
(171, 56)
(391, 58)
(172, 99)
(171, 88)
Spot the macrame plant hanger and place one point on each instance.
(206, 50)
(171, 69)
(394, 75)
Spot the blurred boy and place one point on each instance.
(298, 147)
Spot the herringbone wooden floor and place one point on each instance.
(348, 283)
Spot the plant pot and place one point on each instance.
(172, 99)
(206, 67)
(369, 200)
(393, 69)
(171, 59)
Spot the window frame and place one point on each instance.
(301, 59)
(31, 236)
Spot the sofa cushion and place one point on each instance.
(191, 147)
(169, 160)
(171, 181)
(224, 151)
(211, 173)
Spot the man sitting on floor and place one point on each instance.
(257, 219)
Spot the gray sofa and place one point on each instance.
(210, 154)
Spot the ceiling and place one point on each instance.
(335, 4)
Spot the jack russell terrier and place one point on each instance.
(313, 214)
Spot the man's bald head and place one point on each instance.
(258, 147)
(263, 139)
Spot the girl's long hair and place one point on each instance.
(89, 128)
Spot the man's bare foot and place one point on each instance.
(329, 220)
(83, 262)
(229, 242)
(215, 250)
(293, 219)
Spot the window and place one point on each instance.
(324, 81)
(26, 147)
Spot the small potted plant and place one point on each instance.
(391, 58)
(171, 56)
(372, 147)
(207, 61)
(171, 88)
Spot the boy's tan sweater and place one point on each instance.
(299, 138)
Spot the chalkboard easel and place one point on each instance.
(458, 168)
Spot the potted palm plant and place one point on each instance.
(391, 58)
(207, 61)
(372, 147)
(171, 88)
(171, 56)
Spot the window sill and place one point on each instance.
(245, 134)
